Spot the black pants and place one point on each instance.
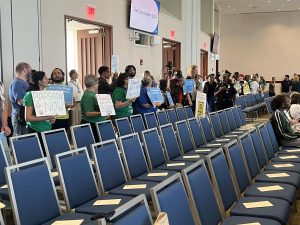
(94, 130)
(61, 123)
(31, 131)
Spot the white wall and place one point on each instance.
(264, 43)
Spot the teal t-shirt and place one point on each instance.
(89, 104)
(38, 126)
(119, 94)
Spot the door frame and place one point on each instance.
(81, 20)
(179, 52)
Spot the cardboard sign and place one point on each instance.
(200, 104)
(68, 91)
(261, 204)
(246, 88)
(107, 202)
(189, 86)
(49, 103)
(170, 99)
(106, 105)
(134, 88)
(155, 95)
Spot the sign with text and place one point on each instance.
(189, 86)
(155, 95)
(246, 88)
(170, 99)
(134, 88)
(115, 60)
(68, 92)
(200, 104)
(106, 105)
(49, 103)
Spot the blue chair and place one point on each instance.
(162, 117)
(237, 118)
(278, 209)
(150, 120)
(181, 115)
(3, 164)
(203, 201)
(232, 123)
(137, 123)
(55, 142)
(124, 127)
(83, 136)
(26, 148)
(33, 196)
(189, 112)
(105, 130)
(241, 115)
(224, 122)
(218, 129)
(169, 196)
(172, 116)
(208, 133)
(268, 105)
(79, 184)
(111, 173)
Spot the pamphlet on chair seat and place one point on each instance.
(68, 222)
(136, 186)
(261, 204)
(270, 188)
(107, 202)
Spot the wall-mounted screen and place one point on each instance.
(144, 15)
(215, 43)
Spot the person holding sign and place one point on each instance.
(168, 101)
(38, 82)
(123, 106)
(90, 112)
(143, 103)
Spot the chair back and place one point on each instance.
(172, 116)
(162, 117)
(272, 135)
(230, 118)
(216, 125)
(237, 118)
(224, 122)
(137, 123)
(207, 129)
(3, 164)
(189, 112)
(184, 136)
(150, 120)
(124, 127)
(169, 140)
(106, 130)
(181, 115)
(242, 116)
(83, 136)
(265, 138)
(258, 148)
(196, 131)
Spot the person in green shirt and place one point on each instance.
(90, 112)
(123, 106)
(38, 82)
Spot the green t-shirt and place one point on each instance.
(89, 104)
(38, 126)
(119, 94)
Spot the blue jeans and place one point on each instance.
(18, 129)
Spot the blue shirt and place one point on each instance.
(138, 107)
(17, 91)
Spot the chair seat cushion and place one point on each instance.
(292, 178)
(288, 192)
(73, 216)
(235, 220)
(89, 208)
(279, 211)
(136, 191)
(283, 166)
(156, 175)
(176, 165)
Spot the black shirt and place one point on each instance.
(209, 88)
(285, 86)
(106, 88)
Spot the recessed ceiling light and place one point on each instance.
(278, 9)
(269, 1)
(229, 6)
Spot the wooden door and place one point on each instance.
(203, 64)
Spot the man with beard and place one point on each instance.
(17, 91)
(131, 70)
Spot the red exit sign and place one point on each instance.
(90, 12)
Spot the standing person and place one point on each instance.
(286, 85)
(254, 85)
(163, 88)
(17, 91)
(58, 78)
(193, 74)
(104, 87)
(295, 83)
(272, 87)
(131, 70)
(176, 87)
(38, 82)
(209, 89)
(262, 83)
(77, 90)
(90, 111)
(123, 106)
(225, 93)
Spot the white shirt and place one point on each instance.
(254, 87)
(77, 90)
(295, 111)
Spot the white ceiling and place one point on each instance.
(256, 6)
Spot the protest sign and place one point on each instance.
(246, 88)
(188, 86)
(134, 88)
(170, 99)
(200, 104)
(68, 92)
(105, 104)
(115, 63)
(49, 103)
(155, 95)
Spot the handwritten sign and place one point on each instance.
(188, 86)
(246, 88)
(68, 92)
(115, 63)
(49, 103)
(105, 104)
(155, 95)
(200, 104)
(170, 99)
(134, 88)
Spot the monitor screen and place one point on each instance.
(144, 15)
(215, 43)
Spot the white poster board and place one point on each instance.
(106, 105)
(115, 60)
(49, 103)
(200, 104)
(134, 88)
(246, 88)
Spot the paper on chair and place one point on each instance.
(223, 139)
(274, 175)
(157, 174)
(293, 150)
(217, 144)
(270, 188)
(203, 150)
(261, 204)
(249, 223)
(283, 165)
(136, 186)
(54, 174)
(175, 164)
(4, 186)
(108, 202)
(231, 135)
(68, 222)
(289, 157)
(191, 156)
(2, 205)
